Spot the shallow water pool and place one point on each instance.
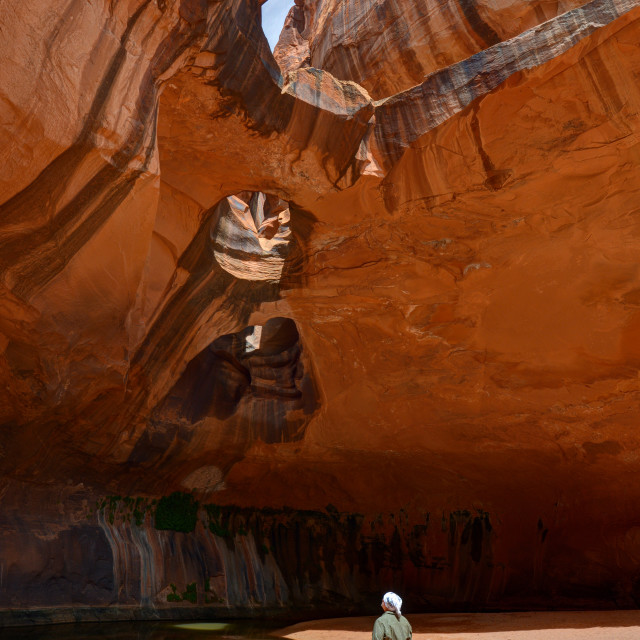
(156, 630)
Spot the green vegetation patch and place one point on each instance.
(177, 512)
(125, 509)
(190, 594)
(174, 596)
(216, 525)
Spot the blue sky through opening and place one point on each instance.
(273, 14)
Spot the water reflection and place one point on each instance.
(158, 630)
(202, 626)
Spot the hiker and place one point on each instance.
(391, 625)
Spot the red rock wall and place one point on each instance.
(462, 275)
(389, 46)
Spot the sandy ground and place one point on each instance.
(555, 625)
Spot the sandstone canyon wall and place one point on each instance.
(288, 332)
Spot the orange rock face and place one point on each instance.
(387, 46)
(299, 332)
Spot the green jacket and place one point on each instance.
(389, 627)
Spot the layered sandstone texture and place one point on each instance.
(288, 332)
(390, 45)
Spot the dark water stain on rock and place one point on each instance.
(596, 449)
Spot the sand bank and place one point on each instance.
(554, 625)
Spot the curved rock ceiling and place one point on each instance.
(292, 331)
(251, 236)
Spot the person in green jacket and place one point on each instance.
(391, 625)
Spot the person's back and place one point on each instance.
(391, 625)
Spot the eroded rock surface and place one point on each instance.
(388, 45)
(251, 238)
(391, 327)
